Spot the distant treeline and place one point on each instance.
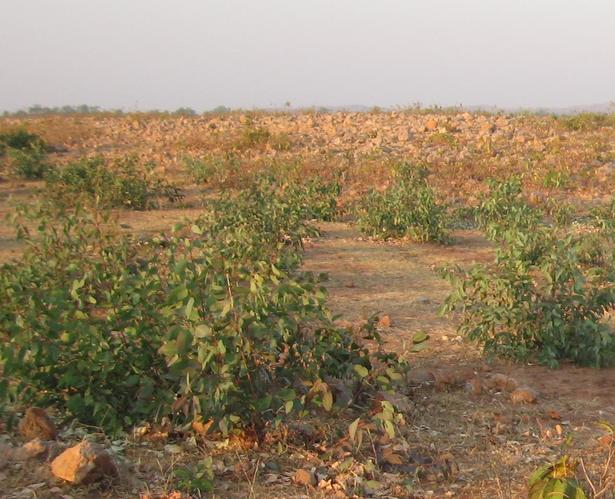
(604, 114)
(85, 109)
(38, 110)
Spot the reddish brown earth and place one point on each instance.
(399, 280)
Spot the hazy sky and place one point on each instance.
(257, 53)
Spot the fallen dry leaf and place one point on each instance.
(389, 456)
(202, 428)
(305, 477)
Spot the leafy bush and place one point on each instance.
(79, 324)
(556, 481)
(217, 170)
(281, 142)
(259, 137)
(604, 217)
(124, 184)
(27, 153)
(548, 289)
(556, 180)
(30, 164)
(21, 140)
(543, 296)
(213, 322)
(219, 110)
(254, 136)
(38, 110)
(198, 477)
(406, 208)
(587, 121)
(504, 209)
(316, 199)
(185, 111)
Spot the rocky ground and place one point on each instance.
(471, 429)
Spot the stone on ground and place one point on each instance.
(523, 395)
(37, 424)
(84, 463)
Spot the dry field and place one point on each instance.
(461, 434)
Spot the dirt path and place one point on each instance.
(396, 279)
(399, 280)
(496, 443)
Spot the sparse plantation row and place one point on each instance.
(214, 326)
(122, 185)
(408, 208)
(214, 321)
(548, 290)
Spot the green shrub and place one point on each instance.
(604, 217)
(79, 324)
(543, 296)
(257, 340)
(556, 180)
(219, 110)
(504, 209)
(316, 199)
(21, 140)
(185, 111)
(214, 322)
(281, 142)
(407, 208)
(27, 153)
(197, 478)
(587, 121)
(30, 164)
(253, 136)
(556, 481)
(547, 291)
(216, 170)
(123, 184)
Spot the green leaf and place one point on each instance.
(372, 485)
(361, 370)
(228, 305)
(389, 428)
(183, 342)
(327, 400)
(352, 428)
(202, 331)
(420, 337)
(540, 473)
(345, 464)
(188, 309)
(77, 285)
(419, 347)
(393, 374)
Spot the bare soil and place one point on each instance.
(496, 444)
